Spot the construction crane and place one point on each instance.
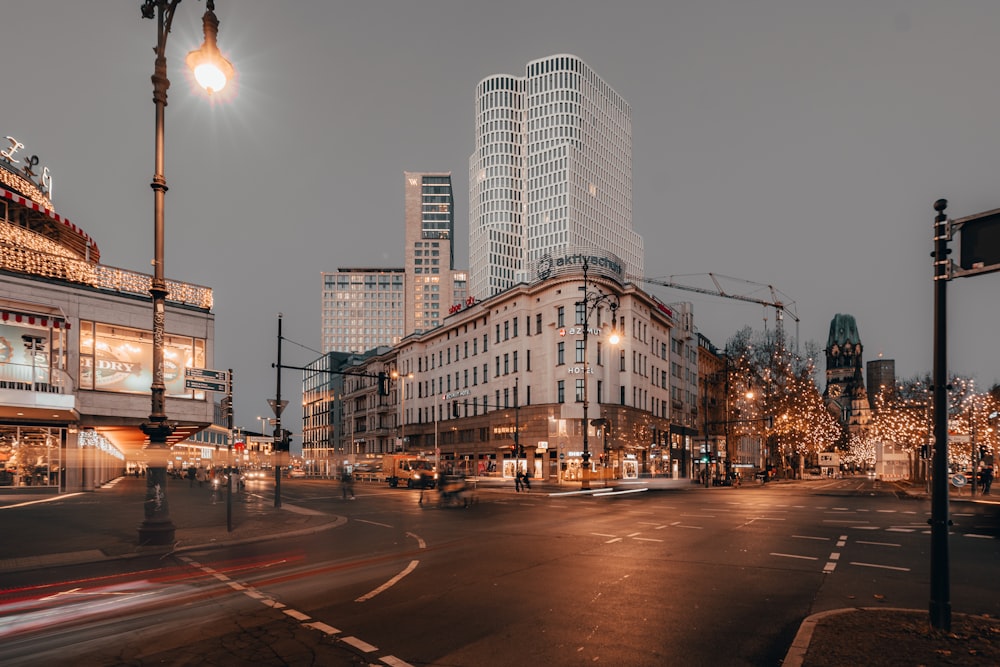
(780, 305)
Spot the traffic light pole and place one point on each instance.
(279, 434)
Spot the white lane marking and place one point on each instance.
(603, 534)
(389, 584)
(42, 500)
(811, 537)
(358, 644)
(794, 556)
(647, 539)
(393, 661)
(835, 556)
(982, 537)
(613, 539)
(374, 523)
(322, 627)
(633, 534)
(679, 525)
(420, 541)
(829, 567)
(881, 567)
(900, 530)
(237, 586)
(878, 544)
(297, 615)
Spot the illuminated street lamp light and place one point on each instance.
(157, 527)
(591, 301)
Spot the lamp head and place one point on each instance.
(211, 70)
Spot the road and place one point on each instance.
(692, 576)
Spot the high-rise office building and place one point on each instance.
(429, 219)
(362, 309)
(551, 174)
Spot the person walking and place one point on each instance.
(346, 483)
(518, 480)
(987, 479)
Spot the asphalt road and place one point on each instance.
(693, 577)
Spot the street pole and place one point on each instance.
(157, 528)
(940, 603)
(278, 433)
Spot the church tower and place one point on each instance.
(845, 393)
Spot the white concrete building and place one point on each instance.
(551, 173)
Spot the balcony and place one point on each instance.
(36, 392)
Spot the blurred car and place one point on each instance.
(296, 472)
(252, 475)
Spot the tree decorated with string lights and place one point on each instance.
(776, 396)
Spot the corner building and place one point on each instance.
(76, 349)
(551, 173)
(514, 364)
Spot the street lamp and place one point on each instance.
(211, 67)
(396, 375)
(592, 301)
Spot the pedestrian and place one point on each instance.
(346, 483)
(526, 481)
(518, 480)
(987, 479)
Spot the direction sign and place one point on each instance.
(206, 385)
(959, 480)
(206, 374)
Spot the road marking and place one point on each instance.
(374, 523)
(647, 539)
(881, 567)
(835, 556)
(841, 521)
(829, 567)
(794, 556)
(393, 661)
(323, 627)
(603, 534)
(297, 615)
(810, 537)
(614, 539)
(879, 544)
(900, 530)
(984, 537)
(633, 534)
(886, 511)
(389, 584)
(358, 644)
(678, 525)
(420, 541)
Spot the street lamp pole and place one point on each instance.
(402, 405)
(157, 527)
(591, 302)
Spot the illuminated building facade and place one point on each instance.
(551, 172)
(363, 308)
(75, 370)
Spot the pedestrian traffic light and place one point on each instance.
(383, 384)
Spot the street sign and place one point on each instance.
(206, 374)
(277, 409)
(206, 385)
(958, 480)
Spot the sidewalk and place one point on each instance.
(102, 524)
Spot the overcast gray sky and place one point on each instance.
(796, 143)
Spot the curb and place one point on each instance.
(800, 645)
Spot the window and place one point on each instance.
(581, 312)
(560, 353)
(561, 391)
(560, 316)
(515, 327)
(506, 363)
(621, 362)
(527, 360)
(538, 323)
(579, 391)
(515, 361)
(599, 354)
(581, 357)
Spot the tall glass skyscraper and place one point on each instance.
(551, 174)
(430, 249)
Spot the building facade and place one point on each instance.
(76, 347)
(512, 371)
(551, 173)
(429, 221)
(362, 308)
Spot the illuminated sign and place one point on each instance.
(45, 195)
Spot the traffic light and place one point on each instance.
(284, 443)
(383, 384)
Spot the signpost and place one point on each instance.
(206, 379)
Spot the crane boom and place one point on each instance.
(781, 306)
